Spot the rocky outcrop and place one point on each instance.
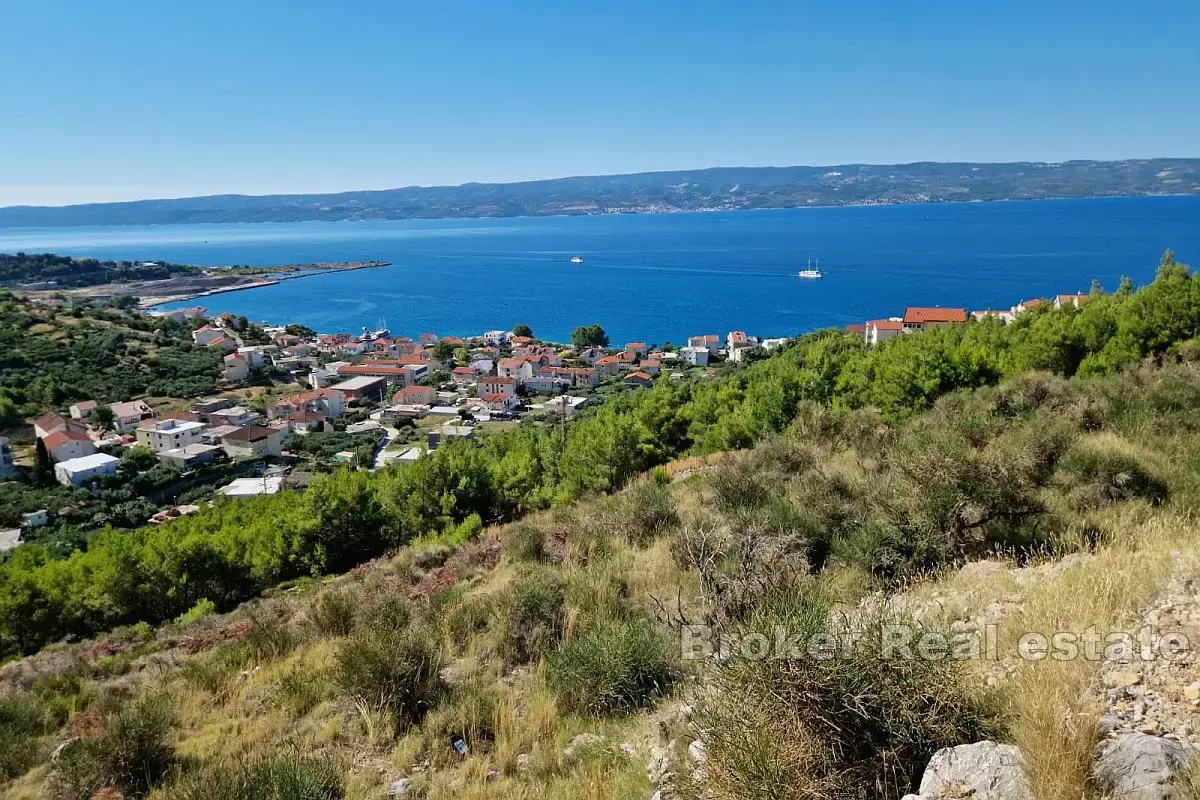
(1137, 766)
(981, 771)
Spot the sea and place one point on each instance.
(662, 277)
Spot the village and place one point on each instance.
(307, 402)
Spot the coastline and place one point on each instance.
(303, 271)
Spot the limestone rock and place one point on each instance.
(1136, 766)
(400, 788)
(983, 771)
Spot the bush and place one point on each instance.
(1103, 476)
(202, 609)
(532, 614)
(388, 616)
(334, 613)
(24, 727)
(270, 639)
(471, 712)
(648, 512)
(857, 725)
(525, 543)
(285, 777)
(393, 671)
(300, 689)
(618, 666)
(737, 486)
(213, 670)
(133, 754)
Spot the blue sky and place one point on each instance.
(119, 100)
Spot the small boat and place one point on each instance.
(576, 259)
(811, 272)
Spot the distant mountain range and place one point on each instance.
(721, 188)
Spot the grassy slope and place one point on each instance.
(238, 701)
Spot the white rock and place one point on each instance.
(698, 751)
(1136, 766)
(400, 788)
(986, 770)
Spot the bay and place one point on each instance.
(663, 277)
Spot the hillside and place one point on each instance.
(53, 356)
(550, 648)
(723, 188)
(512, 614)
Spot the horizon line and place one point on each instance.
(433, 186)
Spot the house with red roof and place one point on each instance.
(637, 348)
(205, 335)
(519, 368)
(710, 342)
(326, 402)
(496, 384)
(878, 330)
(918, 318)
(610, 365)
(416, 396)
(83, 409)
(1025, 305)
(65, 444)
(651, 366)
(462, 375)
(639, 380)
(499, 402)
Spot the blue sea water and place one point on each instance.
(664, 277)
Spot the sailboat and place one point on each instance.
(810, 272)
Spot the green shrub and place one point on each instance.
(393, 671)
(738, 486)
(211, 671)
(859, 724)
(300, 689)
(471, 712)
(1102, 476)
(525, 543)
(133, 754)
(25, 725)
(532, 614)
(284, 777)
(270, 639)
(199, 611)
(471, 615)
(334, 613)
(389, 615)
(648, 512)
(617, 666)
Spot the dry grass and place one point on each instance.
(1052, 718)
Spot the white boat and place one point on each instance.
(811, 272)
(576, 259)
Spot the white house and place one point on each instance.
(67, 444)
(206, 335)
(237, 368)
(696, 356)
(83, 409)
(129, 415)
(255, 356)
(496, 384)
(710, 342)
(237, 415)
(496, 338)
(879, 330)
(169, 434)
(78, 471)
